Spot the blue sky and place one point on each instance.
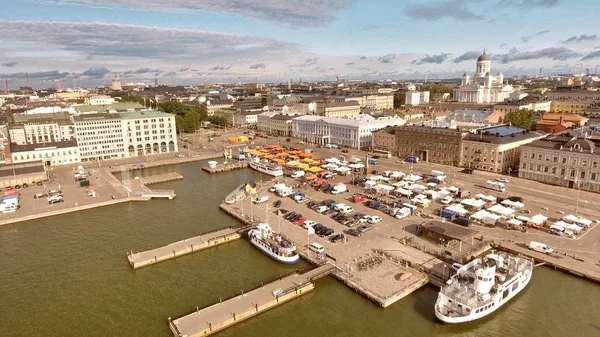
(189, 41)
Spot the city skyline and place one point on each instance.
(82, 42)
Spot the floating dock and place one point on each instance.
(183, 247)
(161, 178)
(222, 315)
(225, 167)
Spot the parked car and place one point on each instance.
(39, 183)
(337, 238)
(467, 171)
(345, 151)
(503, 180)
(515, 199)
(308, 223)
(299, 221)
(9, 188)
(353, 232)
(326, 232)
(55, 200)
(364, 228)
(17, 186)
(25, 185)
(277, 203)
(373, 219)
(40, 195)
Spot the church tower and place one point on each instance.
(483, 65)
(116, 83)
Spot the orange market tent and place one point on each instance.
(232, 139)
(311, 177)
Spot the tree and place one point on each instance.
(399, 100)
(180, 124)
(522, 118)
(217, 120)
(192, 121)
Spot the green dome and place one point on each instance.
(483, 57)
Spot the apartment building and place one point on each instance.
(51, 154)
(127, 134)
(385, 139)
(496, 149)
(355, 132)
(376, 102)
(564, 160)
(413, 97)
(338, 109)
(275, 123)
(99, 100)
(430, 144)
(41, 128)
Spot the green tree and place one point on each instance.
(522, 118)
(192, 121)
(217, 120)
(399, 100)
(436, 89)
(180, 124)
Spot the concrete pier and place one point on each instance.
(183, 247)
(161, 178)
(226, 167)
(222, 315)
(568, 263)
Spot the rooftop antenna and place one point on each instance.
(27, 79)
(6, 81)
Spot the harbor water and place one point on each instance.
(68, 275)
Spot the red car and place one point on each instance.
(358, 198)
(299, 221)
(9, 188)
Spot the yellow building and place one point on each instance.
(569, 106)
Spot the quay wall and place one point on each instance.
(71, 209)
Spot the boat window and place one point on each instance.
(514, 287)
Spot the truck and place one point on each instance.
(436, 173)
(540, 247)
(354, 160)
(297, 174)
(372, 161)
(285, 192)
(403, 213)
(496, 186)
(261, 199)
(339, 188)
(412, 159)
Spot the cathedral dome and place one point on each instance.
(483, 57)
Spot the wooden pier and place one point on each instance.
(226, 167)
(567, 263)
(183, 247)
(161, 178)
(224, 314)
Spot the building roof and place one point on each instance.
(42, 146)
(283, 117)
(95, 117)
(573, 118)
(483, 57)
(450, 230)
(504, 135)
(122, 106)
(143, 114)
(342, 104)
(472, 113)
(56, 117)
(566, 142)
(388, 129)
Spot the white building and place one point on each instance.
(116, 83)
(483, 87)
(355, 131)
(99, 100)
(275, 123)
(127, 134)
(51, 154)
(38, 129)
(376, 102)
(413, 97)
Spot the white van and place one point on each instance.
(298, 174)
(540, 247)
(260, 200)
(317, 248)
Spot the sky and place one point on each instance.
(84, 42)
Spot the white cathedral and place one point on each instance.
(483, 87)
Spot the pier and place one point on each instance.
(168, 194)
(204, 322)
(183, 247)
(161, 178)
(568, 263)
(225, 167)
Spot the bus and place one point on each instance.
(385, 153)
(496, 186)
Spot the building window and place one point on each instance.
(573, 173)
(582, 175)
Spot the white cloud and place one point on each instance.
(296, 13)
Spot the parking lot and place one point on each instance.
(73, 194)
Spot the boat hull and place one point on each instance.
(274, 173)
(474, 316)
(281, 259)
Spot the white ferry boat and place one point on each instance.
(267, 168)
(482, 286)
(273, 244)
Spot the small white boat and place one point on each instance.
(482, 286)
(273, 244)
(267, 167)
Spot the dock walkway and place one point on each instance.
(226, 313)
(183, 247)
(161, 178)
